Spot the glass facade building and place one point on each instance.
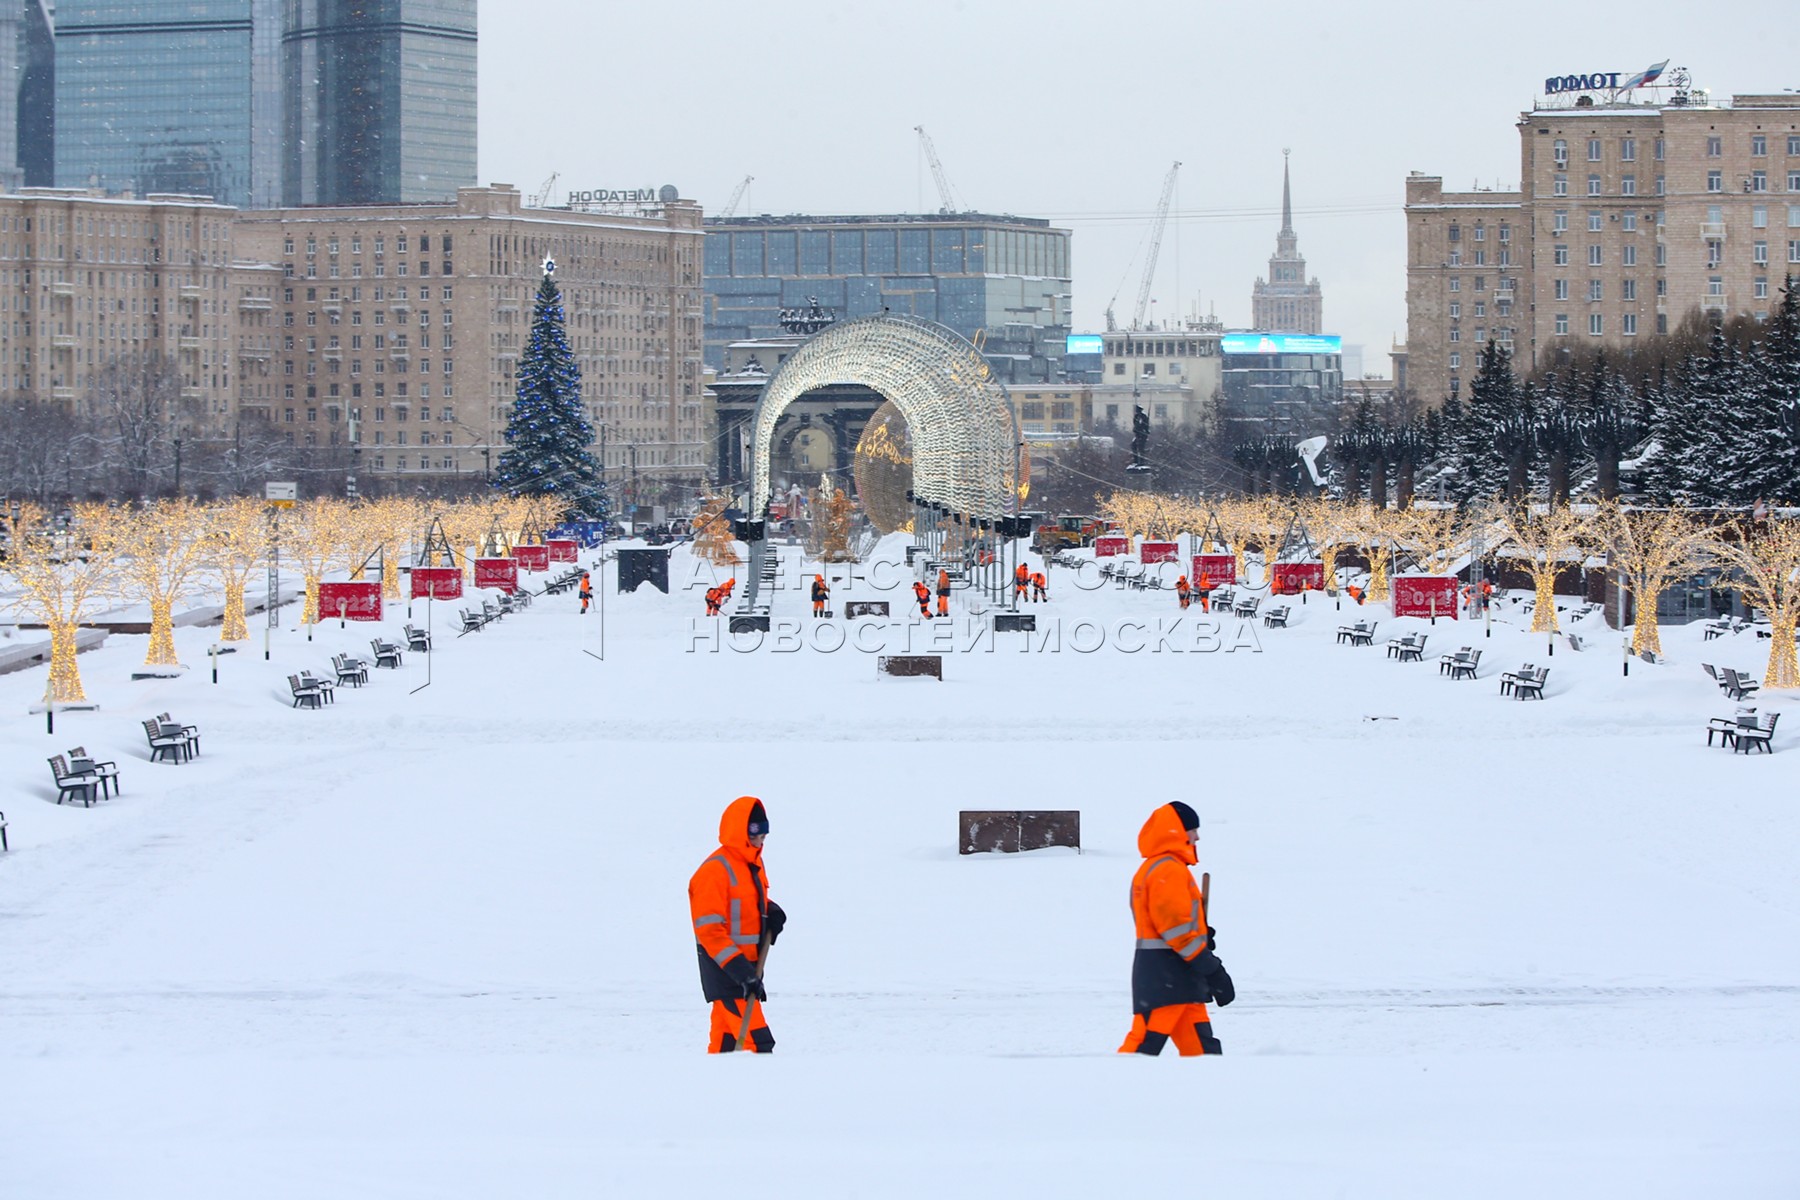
(1006, 279)
(155, 96)
(379, 100)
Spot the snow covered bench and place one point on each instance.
(1277, 617)
(3, 846)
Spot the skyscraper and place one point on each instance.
(378, 100)
(158, 96)
(34, 119)
(1287, 301)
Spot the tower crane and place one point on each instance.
(1155, 237)
(542, 196)
(737, 195)
(946, 196)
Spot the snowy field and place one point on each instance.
(431, 943)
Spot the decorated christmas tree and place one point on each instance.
(548, 435)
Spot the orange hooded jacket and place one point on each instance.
(1172, 940)
(729, 899)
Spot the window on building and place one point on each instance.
(1661, 185)
(1562, 289)
(1662, 288)
(1715, 285)
(1455, 333)
(1759, 252)
(1595, 221)
(1793, 182)
(1593, 185)
(1456, 233)
(1628, 256)
(1793, 216)
(1560, 255)
(1715, 147)
(1562, 322)
(1455, 283)
(1480, 309)
(1628, 324)
(1761, 287)
(1628, 185)
(1627, 149)
(1759, 181)
(1480, 258)
(1480, 232)
(1559, 221)
(1505, 234)
(1480, 335)
(1596, 324)
(1596, 290)
(1455, 310)
(1456, 258)
(1481, 283)
(1794, 251)
(1628, 289)
(1662, 255)
(1559, 150)
(1793, 144)
(1456, 361)
(1759, 145)
(1595, 253)
(1593, 149)
(1715, 181)
(1628, 222)
(1559, 184)
(1118, 368)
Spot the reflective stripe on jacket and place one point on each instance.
(728, 897)
(1169, 918)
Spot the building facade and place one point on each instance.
(1630, 218)
(378, 101)
(1002, 281)
(1287, 301)
(1174, 374)
(1281, 383)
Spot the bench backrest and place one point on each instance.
(150, 724)
(59, 766)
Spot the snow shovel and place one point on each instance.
(762, 958)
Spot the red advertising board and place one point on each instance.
(350, 601)
(563, 549)
(1298, 577)
(1111, 547)
(1425, 596)
(1157, 552)
(502, 573)
(1216, 569)
(532, 558)
(437, 583)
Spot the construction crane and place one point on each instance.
(542, 196)
(730, 209)
(1155, 237)
(945, 194)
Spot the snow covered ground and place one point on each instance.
(435, 942)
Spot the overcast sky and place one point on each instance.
(1075, 111)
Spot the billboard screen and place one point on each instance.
(1086, 343)
(1281, 343)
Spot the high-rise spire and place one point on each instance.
(1287, 205)
(1287, 301)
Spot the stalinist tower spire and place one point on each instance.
(1287, 301)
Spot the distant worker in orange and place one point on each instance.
(735, 923)
(1175, 971)
(1487, 594)
(1021, 581)
(1040, 587)
(1205, 589)
(1182, 592)
(943, 592)
(820, 594)
(1355, 593)
(725, 592)
(712, 601)
(922, 594)
(587, 592)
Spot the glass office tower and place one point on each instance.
(156, 96)
(379, 100)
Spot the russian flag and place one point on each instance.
(1646, 76)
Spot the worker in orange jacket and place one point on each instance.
(1021, 581)
(1040, 587)
(735, 923)
(943, 592)
(1206, 587)
(922, 594)
(1182, 592)
(712, 601)
(820, 594)
(1175, 971)
(586, 591)
(725, 592)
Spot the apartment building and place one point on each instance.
(1630, 216)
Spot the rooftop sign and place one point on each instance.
(1602, 81)
(1281, 343)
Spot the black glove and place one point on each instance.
(743, 973)
(775, 920)
(1212, 938)
(1220, 983)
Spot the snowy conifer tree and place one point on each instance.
(548, 434)
(1493, 411)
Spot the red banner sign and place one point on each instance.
(1111, 547)
(1299, 577)
(532, 558)
(502, 573)
(350, 601)
(1216, 569)
(1425, 596)
(563, 549)
(1157, 552)
(437, 583)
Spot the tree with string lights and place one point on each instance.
(548, 435)
(65, 574)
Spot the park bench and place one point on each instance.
(327, 688)
(1360, 634)
(1712, 673)
(70, 784)
(80, 763)
(1461, 665)
(1277, 617)
(306, 694)
(1723, 626)
(417, 639)
(1222, 598)
(1131, 575)
(166, 744)
(350, 670)
(1528, 684)
(1737, 686)
(472, 622)
(190, 732)
(1726, 726)
(1409, 648)
(387, 654)
(1246, 606)
(1755, 734)
(1510, 678)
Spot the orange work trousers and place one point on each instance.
(1187, 1024)
(943, 604)
(818, 608)
(728, 1022)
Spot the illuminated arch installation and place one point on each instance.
(963, 437)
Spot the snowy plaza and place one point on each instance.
(431, 939)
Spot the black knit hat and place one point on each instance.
(1189, 818)
(759, 820)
